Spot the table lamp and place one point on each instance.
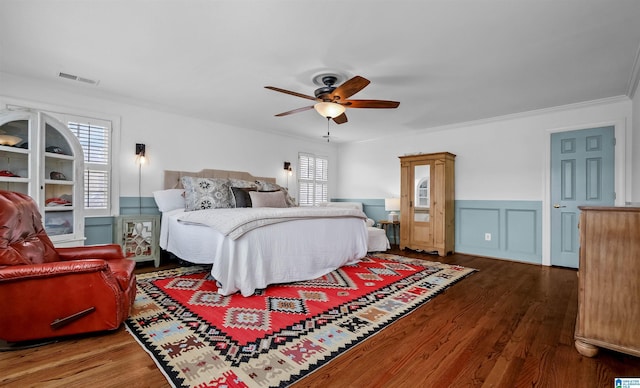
(392, 205)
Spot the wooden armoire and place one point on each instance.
(427, 212)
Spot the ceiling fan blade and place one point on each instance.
(294, 111)
(291, 93)
(340, 119)
(375, 104)
(349, 88)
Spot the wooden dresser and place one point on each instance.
(609, 280)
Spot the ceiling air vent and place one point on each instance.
(79, 79)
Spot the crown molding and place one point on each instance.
(632, 86)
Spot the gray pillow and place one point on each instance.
(267, 199)
(206, 193)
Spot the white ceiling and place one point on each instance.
(445, 61)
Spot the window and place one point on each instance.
(313, 179)
(95, 138)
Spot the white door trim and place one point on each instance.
(622, 174)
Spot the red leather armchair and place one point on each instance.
(51, 292)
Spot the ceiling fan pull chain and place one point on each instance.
(328, 135)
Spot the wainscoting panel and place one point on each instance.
(515, 229)
(521, 231)
(484, 234)
(99, 230)
(135, 205)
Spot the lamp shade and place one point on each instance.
(329, 109)
(392, 204)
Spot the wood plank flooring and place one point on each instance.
(508, 325)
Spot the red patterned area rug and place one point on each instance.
(274, 338)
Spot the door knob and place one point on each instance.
(557, 206)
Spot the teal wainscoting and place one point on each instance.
(136, 205)
(99, 230)
(515, 228)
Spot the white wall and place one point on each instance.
(501, 159)
(173, 142)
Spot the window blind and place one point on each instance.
(95, 144)
(313, 179)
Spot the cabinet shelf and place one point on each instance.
(15, 150)
(58, 182)
(58, 156)
(14, 179)
(58, 208)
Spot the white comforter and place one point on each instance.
(299, 249)
(236, 222)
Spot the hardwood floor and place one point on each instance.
(508, 325)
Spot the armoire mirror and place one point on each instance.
(422, 175)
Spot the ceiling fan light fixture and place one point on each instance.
(329, 109)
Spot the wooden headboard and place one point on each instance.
(173, 179)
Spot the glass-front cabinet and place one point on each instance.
(427, 202)
(40, 157)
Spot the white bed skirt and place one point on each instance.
(280, 253)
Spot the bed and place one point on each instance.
(293, 245)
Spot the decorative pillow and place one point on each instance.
(241, 197)
(206, 193)
(267, 199)
(268, 186)
(289, 199)
(243, 183)
(169, 199)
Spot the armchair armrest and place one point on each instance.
(33, 271)
(103, 252)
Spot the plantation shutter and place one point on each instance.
(95, 144)
(313, 179)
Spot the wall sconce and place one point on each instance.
(140, 153)
(287, 168)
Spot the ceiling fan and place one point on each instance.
(332, 101)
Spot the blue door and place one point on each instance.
(582, 173)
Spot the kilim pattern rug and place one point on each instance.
(199, 338)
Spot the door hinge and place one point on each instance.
(614, 141)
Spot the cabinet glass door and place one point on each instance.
(14, 155)
(422, 190)
(59, 201)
